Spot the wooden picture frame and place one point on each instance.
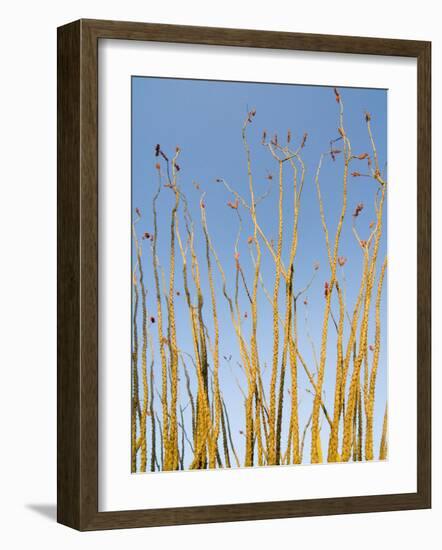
(77, 458)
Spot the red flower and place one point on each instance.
(342, 260)
(250, 240)
(146, 235)
(358, 210)
(251, 114)
(334, 152)
(304, 139)
(157, 166)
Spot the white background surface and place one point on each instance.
(28, 276)
(118, 488)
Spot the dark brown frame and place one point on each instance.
(77, 458)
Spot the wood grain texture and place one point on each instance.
(68, 276)
(77, 222)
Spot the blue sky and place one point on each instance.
(205, 118)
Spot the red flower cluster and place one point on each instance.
(237, 260)
(358, 209)
(250, 115)
(304, 139)
(334, 152)
(326, 288)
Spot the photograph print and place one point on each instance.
(259, 275)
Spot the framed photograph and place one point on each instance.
(243, 275)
